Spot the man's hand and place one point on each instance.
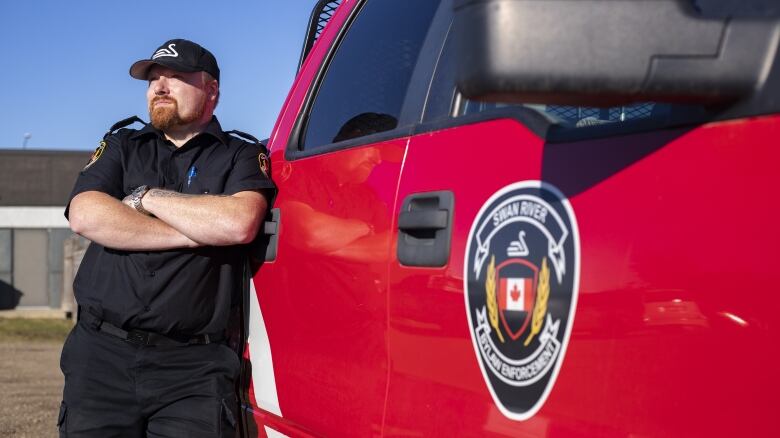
(128, 201)
(179, 220)
(103, 219)
(217, 220)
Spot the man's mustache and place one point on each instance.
(163, 99)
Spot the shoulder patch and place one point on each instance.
(97, 154)
(521, 279)
(264, 164)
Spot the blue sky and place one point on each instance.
(64, 69)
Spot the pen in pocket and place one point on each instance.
(191, 174)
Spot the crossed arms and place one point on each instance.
(180, 220)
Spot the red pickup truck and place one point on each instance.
(523, 218)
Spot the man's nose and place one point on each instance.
(161, 86)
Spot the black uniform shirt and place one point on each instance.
(178, 292)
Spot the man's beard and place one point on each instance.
(167, 116)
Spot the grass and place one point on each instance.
(22, 329)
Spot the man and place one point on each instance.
(167, 209)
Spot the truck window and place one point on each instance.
(737, 8)
(578, 116)
(365, 83)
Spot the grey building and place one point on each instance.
(34, 187)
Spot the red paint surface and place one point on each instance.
(675, 332)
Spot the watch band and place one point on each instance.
(137, 197)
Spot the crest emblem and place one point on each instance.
(517, 283)
(520, 281)
(264, 163)
(96, 155)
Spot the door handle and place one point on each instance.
(425, 229)
(423, 220)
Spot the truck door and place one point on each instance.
(653, 300)
(336, 162)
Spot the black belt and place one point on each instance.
(144, 338)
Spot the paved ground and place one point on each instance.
(30, 388)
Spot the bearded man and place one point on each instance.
(168, 209)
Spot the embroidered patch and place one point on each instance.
(265, 165)
(97, 154)
(520, 281)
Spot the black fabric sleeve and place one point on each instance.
(104, 174)
(246, 173)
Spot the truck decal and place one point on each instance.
(520, 281)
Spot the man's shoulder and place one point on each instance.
(245, 145)
(241, 135)
(240, 138)
(119, 131)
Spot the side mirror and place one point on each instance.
(607, 52)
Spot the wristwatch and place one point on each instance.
(136, 196)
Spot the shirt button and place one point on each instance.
(152, 274)
(147, 308)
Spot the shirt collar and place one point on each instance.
(213, 129)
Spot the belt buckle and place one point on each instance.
(137, 337)
(200, 340)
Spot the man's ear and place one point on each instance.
(213, 90)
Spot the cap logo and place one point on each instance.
(170, 51)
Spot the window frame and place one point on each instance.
(413, 101)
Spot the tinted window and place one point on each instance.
(737, 8)
(365, 84)
(581, 116)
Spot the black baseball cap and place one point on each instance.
(180, 55)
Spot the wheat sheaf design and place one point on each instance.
(492, 300)
(540, 308)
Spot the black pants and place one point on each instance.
(114, 388)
